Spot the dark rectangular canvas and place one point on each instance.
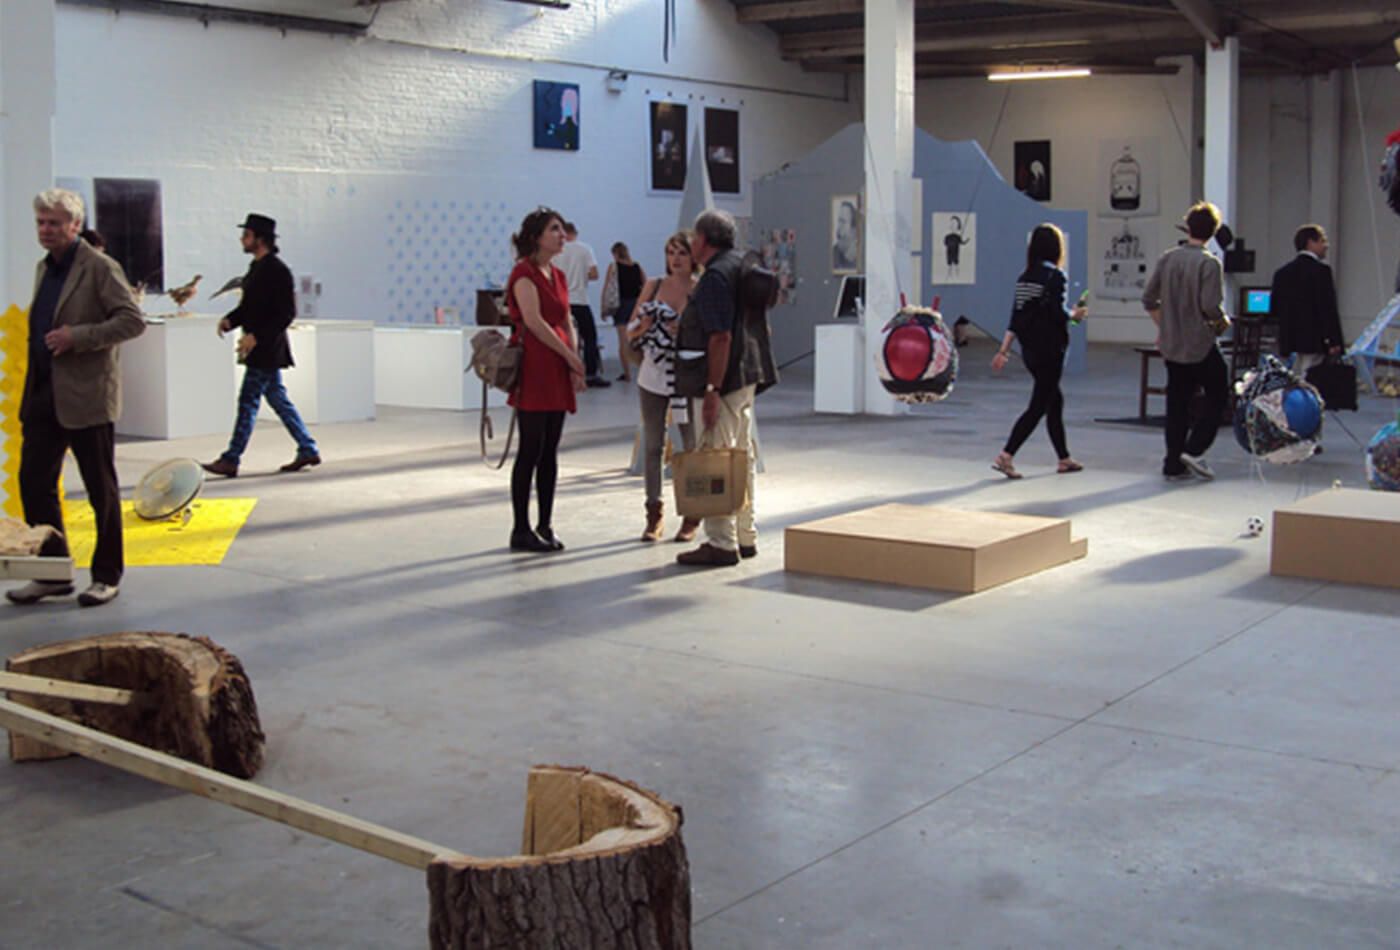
(668, 146)
(129, 217)
(556, 115)
(1033, 169)
(722, 150)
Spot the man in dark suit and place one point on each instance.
(266, 310)
(1303, 302)
(82, 310)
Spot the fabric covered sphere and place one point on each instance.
(1278, 416)
(1383, 458)
(918, 360)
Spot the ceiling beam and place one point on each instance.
(1097, 6)
(789, 11)
(1203, 15)
(797, 10)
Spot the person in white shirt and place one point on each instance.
(579, 267)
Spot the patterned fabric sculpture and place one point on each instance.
(1383, 458)
(918, 361)
(1278, 416)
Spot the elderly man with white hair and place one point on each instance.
(82, 310)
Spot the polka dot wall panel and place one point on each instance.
(440, 252)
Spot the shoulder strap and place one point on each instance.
(487, 430)
(655, 289)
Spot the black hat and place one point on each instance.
(260, 224)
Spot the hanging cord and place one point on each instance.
(1365, 173)
(668, 29)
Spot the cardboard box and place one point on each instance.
(1339, 535)
(934, 548)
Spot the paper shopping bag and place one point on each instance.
(709, 482)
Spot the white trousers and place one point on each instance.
(733, 429)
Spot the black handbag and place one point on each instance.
(1336, 382)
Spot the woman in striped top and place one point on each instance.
(1040, 320)
(651, 331)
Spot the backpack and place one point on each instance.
(496, 361)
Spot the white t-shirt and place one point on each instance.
(575, 260)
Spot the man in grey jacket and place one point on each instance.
(1185, 297)
(82, 310)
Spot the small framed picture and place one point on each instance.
(556, 115)
(668, 146)
(846, 226)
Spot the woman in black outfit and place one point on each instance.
(1040, 320)
(630, 277)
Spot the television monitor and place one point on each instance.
(850, 302)
(1254, 301)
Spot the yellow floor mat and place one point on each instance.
(203, 539)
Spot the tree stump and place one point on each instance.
(603, 865)
(195, 700)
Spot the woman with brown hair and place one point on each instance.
(651, 332)
(625, 279)
(551, 372)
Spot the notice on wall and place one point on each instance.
(1129, 178)
(1129, 254)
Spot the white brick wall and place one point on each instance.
(362, 147)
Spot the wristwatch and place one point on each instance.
(710, 388)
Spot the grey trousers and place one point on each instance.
(654, 439)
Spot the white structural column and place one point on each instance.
(1324, 152)
(27, 77)
(889, 171)
(1222, 125)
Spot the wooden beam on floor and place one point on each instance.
(168, 770)
(65, 689)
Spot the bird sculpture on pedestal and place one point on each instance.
(233, 283)
(182, 295)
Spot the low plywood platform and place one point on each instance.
(1339, 535)
(935, 548)
(14, 567)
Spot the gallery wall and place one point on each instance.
(398, 164)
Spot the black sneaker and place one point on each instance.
(598, 382)
(547, 535)
(527, 540)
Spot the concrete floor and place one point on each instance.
(1160, 745)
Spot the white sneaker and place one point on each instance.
(1198, 465)
(35, 591)
(98, 594)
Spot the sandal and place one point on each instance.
(1004, 466)
(1067, 466)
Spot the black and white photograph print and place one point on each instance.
(668, 146)
(846, 227)
(556, 115)
(1032, 172)
(722, 150)
(1128, 177)
(953, 259)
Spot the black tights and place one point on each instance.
(1047, 401)
(537, 459)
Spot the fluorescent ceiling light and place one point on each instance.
(1039, 74)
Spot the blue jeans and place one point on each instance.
(258, 383)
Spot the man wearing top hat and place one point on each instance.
(264, 313)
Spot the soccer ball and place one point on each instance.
(1254, 526)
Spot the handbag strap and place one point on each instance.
(486, 431)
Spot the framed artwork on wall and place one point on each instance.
(1128, 177)
(779, 253)
(722, 150)
(128, 213)
(1032, 173)
(846, 227)
(556, 115)
(668, 146)
(954, 255)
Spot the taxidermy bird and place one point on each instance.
(233, 283)
(182, 295)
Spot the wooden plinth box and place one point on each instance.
(1339, 535)
(935, 548)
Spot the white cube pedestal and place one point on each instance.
(838, 382)
(176, 379)
(429, 367)
(333, 379)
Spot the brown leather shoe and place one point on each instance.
(300, 462)
(221, 466)
(707, 555)
(652, 532)
(688, 528)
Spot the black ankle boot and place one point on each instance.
(546, 534)
(526, 540)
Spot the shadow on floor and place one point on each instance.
(1168, 566)
(859, 593)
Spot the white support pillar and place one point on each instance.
(889, 175)
(27, 77)
(1325, 153)
(1222, 135)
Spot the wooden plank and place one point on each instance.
(147, 763)
(65, 689)
(16, 568)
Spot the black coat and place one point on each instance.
(268, 306)
(1039, 318)
(1303, 301)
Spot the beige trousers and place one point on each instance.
(733, 429)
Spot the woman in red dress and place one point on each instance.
(550, 373)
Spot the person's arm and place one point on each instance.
(1212, 299)
(637, 322)
(1331, 319)
(1152, 295)
(592, 266)
(1003, 352)
(716, 364)
(527, 298)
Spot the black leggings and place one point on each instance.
(1047, 401)
(537, 459)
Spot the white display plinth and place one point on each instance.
(176, 379)
(333, 379)
(429, 367)
(838, 382)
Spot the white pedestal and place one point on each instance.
(838, 382)
(176, 379)
(333, 379)
(429, 367)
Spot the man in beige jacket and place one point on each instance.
(82, 310)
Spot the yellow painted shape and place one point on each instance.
(204, 539)
(14, 363)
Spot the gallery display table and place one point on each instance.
(838, 379)
(334, 376)
(429, 367)
(176, 379)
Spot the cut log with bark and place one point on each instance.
(603, 865)
(193, 698)
(20, 539)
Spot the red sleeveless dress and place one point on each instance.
(545, 385)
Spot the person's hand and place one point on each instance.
(1335, 351)
(574, 363)
(709, 412)
(246, 343)
(1079, 313)
(224, 327)
(998, 361)
(59, 341)
(580, 384)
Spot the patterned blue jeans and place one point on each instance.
(258, 383)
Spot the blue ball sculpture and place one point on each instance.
(1278, 416)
